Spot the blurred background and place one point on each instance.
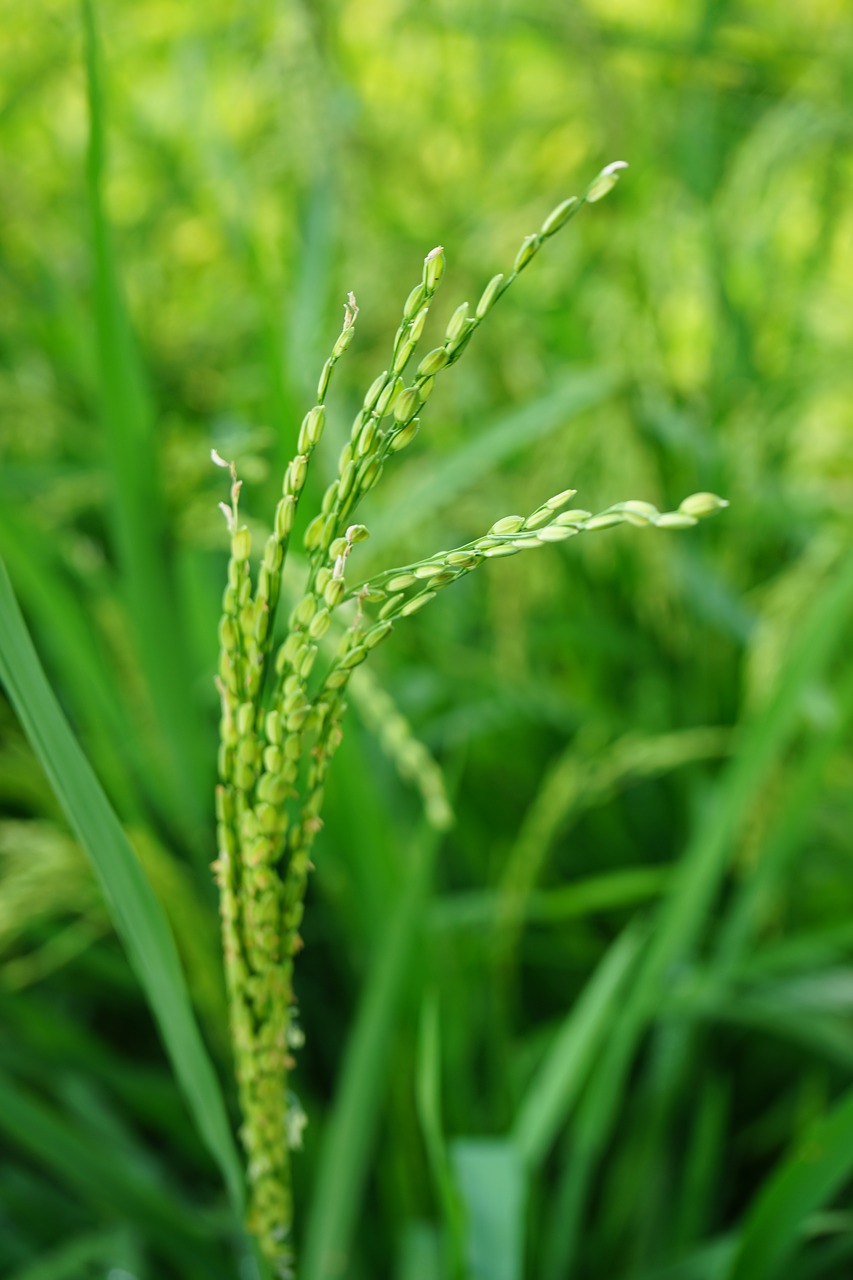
(645, 736)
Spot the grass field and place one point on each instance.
(601, 1027)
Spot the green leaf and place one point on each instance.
(492, 1181)
(347, 1143)
(555, 1087)
(803, 1183)
(137, 915)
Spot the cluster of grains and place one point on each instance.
(283, 703)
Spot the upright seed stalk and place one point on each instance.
(281, 721)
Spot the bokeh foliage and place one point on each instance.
(641, 733)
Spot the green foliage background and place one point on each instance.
(642, 732)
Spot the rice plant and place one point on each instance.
(283, 702)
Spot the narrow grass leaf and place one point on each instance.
(428, 1098)
(348, 1140)
(137, 513)
(93, 1172)
(797, 1188)
(557, 1084)
(693, 894)
(137, 915)
(76, 1258)
(613, 892)
(421, 1253)
(492, 1182)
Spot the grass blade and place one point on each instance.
(345, 1155)
(796, 1188)
(137, 915)
(493, 1184)
(428, 1097)
(137, 515)
(556, 1085)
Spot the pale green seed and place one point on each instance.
(637, 508)
(388, 398)
(227, 633)
(377, 386)
(284, 516)
(303, 612)
(539, 517)
(576, 516)
(560, 499)
(418, 325)
(675, 520)
(416, 603)
(272, 789)
(338, 547)
(406, 436)
(306, 666)
(507, 549)
(320, 624)
(344, 339)
(346, 481)
(460, 559)
(426, 570)
(605, 182)
(457, 323)
(272, 727)
(390, 606)
(316, 421)
(369, 475)
(413, 301)
(529, 246)
(314, 532)
(403, 356)
(334, 592)
(507, 524)
(558, 217)
(434, 264)
(407, 404)
(556, 533)
(491, 293)
(244, 776)
(702, 504)
(241, 544)
(376, 634)
(432, 362)
(297, 718)
(353, 658)
(400, 582)
(325, 379)
(366, 437)
(296, 473)
(605, 521)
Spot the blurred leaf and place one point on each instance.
(800, 1185)
(551, 1094)
(137, 915)
(493, 1185)
(428, 1098)
(137, 501)
(348, 1140)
